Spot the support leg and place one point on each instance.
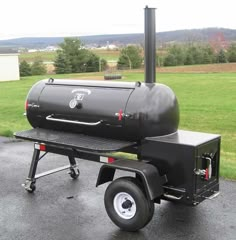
(74, 170)
(72, 161)
(29, 184)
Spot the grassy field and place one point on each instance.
(207, 103)
(109, 55)
(44, 56)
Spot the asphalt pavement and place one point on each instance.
(66, 209)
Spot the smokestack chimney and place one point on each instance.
(150, 45)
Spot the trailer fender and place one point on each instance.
(147, 173)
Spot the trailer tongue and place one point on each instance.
(91, 120)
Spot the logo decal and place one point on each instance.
(73, 103)
(79, 97)
(79, 94)
(82, 90)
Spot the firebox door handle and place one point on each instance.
(51, 118)
(209, 166)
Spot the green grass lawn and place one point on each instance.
(207, 104)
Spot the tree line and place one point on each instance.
(36, 68)
(74, 58)
(191, 54)
(131, 57)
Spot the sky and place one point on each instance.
(49, 18)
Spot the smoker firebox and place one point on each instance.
(190, 161)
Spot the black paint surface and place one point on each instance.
(127, 111)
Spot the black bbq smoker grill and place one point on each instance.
(92, 119)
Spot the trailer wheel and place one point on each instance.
(32, 188)
(74, 173)
(126, 204)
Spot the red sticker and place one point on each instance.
(110, 160)
(120, 115)
(42, 147)
(206, 174)
(26, 105)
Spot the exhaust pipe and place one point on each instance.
(150, 45)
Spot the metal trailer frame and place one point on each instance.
(172, 167)
(76, 146)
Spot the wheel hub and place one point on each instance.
(124, 205)
(127, 204)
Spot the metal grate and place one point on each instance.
(78, 141)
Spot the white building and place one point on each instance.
(9, 67)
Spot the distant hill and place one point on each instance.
(179, 36)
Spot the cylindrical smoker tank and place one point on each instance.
(128, 111)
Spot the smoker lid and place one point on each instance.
(78, 141)
(92, 83)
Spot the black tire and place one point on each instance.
(151, 203)
(32, 188)
(74, 173)
(144, 208)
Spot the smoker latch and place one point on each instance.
(207, 172)
(121, 115)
